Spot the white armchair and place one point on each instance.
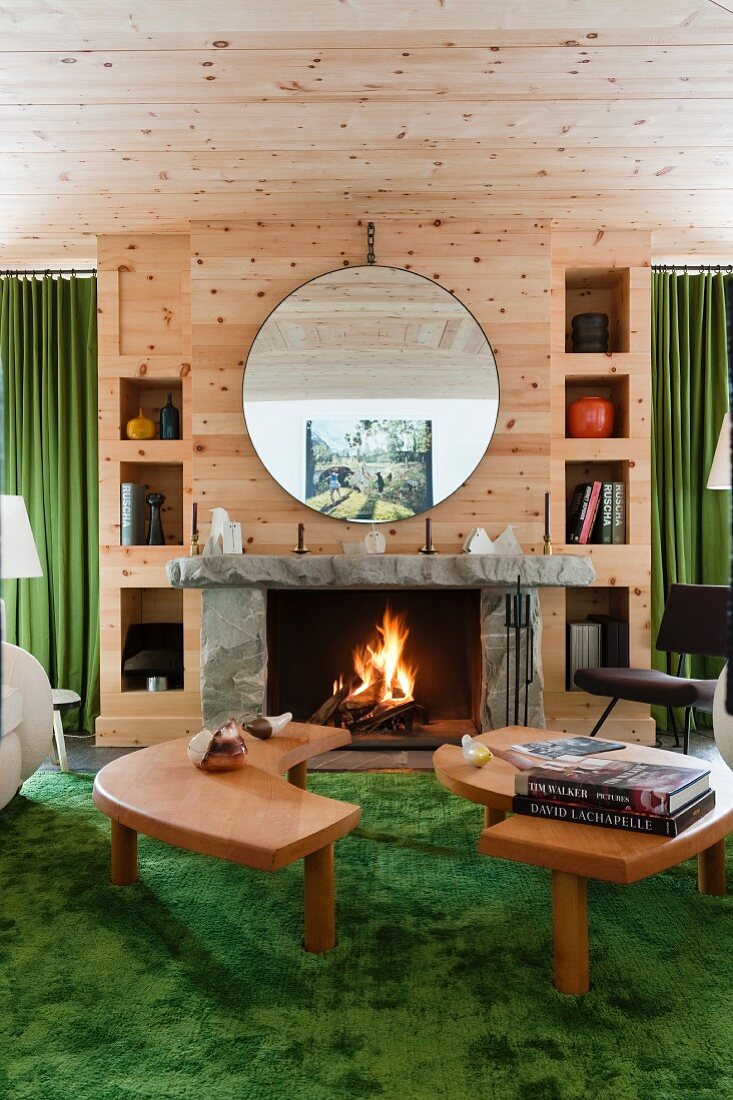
(27, 719)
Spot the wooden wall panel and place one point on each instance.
(144, 349)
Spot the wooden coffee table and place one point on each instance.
(575, 853)
(252, 816)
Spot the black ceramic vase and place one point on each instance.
(590, 332)
(170, 421)
(155, 501)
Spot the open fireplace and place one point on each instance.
(399, 667)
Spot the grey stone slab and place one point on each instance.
(233, 654)
(380, 571)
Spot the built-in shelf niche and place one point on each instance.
(148, 605)
(150, 395)
(578, 472)
(166, 478)
(614, 387)
(599, 290)
(581, 603)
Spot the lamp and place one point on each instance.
(720, 471)
(720, 478)
(18, 554)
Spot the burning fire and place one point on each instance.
(381, 667)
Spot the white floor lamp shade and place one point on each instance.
(18, 554)
(720, 478)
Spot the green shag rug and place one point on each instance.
(192, 985)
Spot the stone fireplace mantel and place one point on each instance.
(380, 571)
(234, 613)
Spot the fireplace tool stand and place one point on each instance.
(518, 623)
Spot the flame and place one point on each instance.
(383, 663)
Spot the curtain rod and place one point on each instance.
(49, 271)
(728, 268)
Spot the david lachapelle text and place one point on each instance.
(592, 815)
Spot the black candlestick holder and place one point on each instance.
(155, 502)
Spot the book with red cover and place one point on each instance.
(615, 784)
(630, 821)
(592, 512)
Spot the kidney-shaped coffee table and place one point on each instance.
(575, 853)
(252, 816)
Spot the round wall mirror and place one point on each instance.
(370, 394)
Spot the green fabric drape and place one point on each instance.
(48, 351)
(690, 524)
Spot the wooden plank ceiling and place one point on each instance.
(145, 115)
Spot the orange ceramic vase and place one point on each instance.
(590, 418)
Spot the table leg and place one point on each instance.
(711, 870)
(297, 775)
(58, 733)
(492, 816)
(123, 870)
(570, 929)
(320, 900)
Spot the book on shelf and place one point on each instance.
(619, 513)
(615, 784)
(584, 649)
(603, 529)
(568, 749)
(614, 640)
(582, 511)
(132, 514)
(591, 513)
(631, 821)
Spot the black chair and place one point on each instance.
(694, 623)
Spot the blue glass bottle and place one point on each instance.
(170, 423)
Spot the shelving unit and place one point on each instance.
(144, 354)
(608, 273)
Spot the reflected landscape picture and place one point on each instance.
(378, 470)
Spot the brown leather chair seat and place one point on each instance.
(645, 685)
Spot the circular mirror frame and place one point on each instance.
(415, 275)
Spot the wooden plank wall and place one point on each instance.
(144, 343)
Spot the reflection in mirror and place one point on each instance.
(371, 394)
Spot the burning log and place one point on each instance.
(327, 710)
(391, 715)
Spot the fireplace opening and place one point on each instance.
(399, 667)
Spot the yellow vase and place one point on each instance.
(140, 427)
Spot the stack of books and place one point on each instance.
(597, 513)
(658, 799)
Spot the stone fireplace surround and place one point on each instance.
(234, 613)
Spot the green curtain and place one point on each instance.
(690, 523)
(48, 352)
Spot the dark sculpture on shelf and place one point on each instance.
(155, 501)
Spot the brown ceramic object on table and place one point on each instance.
(223, 750)
(590, 418)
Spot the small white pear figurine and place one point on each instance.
(267, 726)
(474, 752)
